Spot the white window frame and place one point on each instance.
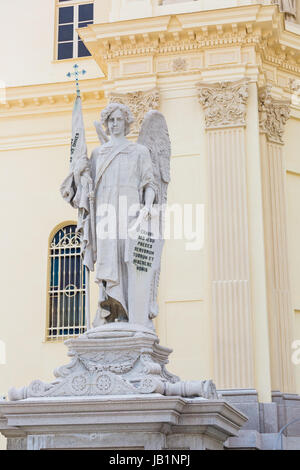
(75, 4)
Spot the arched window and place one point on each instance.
(67, 284)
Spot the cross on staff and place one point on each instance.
(76, 74)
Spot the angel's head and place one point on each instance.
(117, 118)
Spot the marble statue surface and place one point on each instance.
(289, 8)
(129, 181)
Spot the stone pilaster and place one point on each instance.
(273, 117)
(225, 117)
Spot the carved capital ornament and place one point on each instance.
(273, 115)
(224, 103)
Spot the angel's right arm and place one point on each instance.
(86, 166)
(80, 177)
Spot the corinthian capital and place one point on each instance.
(273, 115)
(139, 102)
(224, 103)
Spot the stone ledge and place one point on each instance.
(134, 422)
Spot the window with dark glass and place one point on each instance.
(85, 17)
(70, 17)
(67, 285)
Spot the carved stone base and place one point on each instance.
(152, 422)
(115, 359)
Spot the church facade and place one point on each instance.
(226, 75)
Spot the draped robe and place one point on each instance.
(289, 7)
(119, 176)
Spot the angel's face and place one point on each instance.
(116, 123)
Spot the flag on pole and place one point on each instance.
(78, 142)
(77, 187)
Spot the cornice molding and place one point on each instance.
(273, 115)
(224, 104)
(51, 98)
(42, 140)
(261, 26)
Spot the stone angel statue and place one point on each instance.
(119, 191)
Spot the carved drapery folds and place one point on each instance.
(289, 8)
(139, 102)
(273, 115)
(224, 103)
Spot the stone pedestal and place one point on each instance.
(150, 422)
(117, 394)
(115, 359)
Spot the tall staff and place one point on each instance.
(79, 152)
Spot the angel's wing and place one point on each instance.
(154, 135)
(102, 136)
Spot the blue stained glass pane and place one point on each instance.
(82, 50)
(65, 50)
(83, 280)
(55, 264)
(65, 33)
(53, 312)
(61, 305)
(83, 308)
(66, 15)
(68, 270)
(78, 269)
(86, 12)
(72, 270)
(62, 277)
(58, 236)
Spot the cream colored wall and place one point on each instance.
(293, 196)
(25, 27)
(293, 213)
(184, 320)
(131, 9)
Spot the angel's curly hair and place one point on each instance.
(111, 108)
